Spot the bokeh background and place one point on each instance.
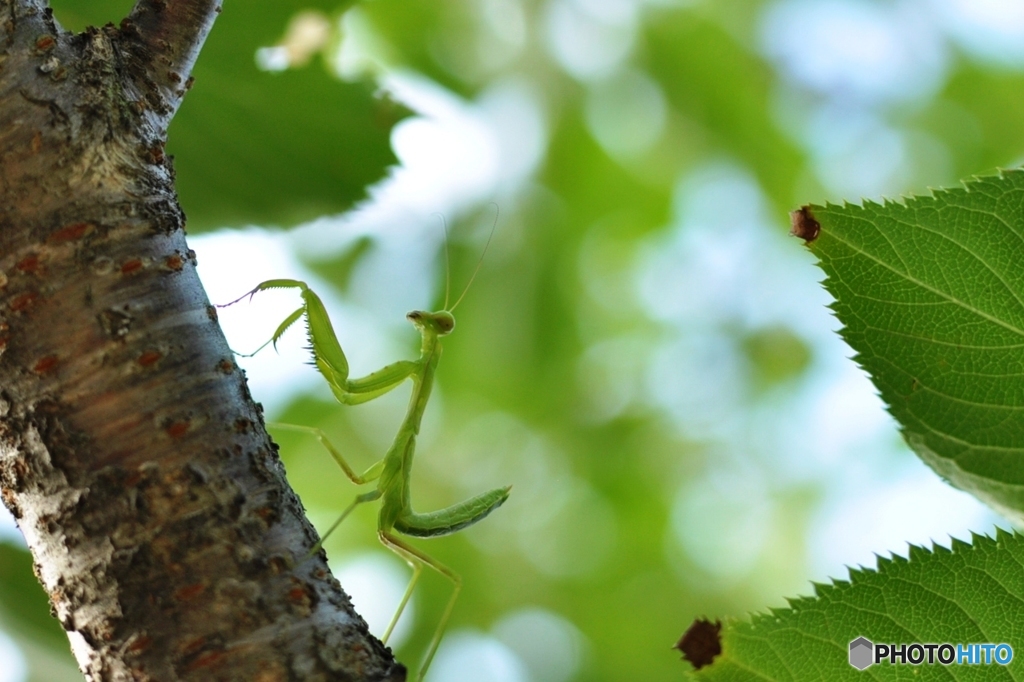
(645, 354)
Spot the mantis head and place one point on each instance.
(441, 323)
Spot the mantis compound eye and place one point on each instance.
(445, 322)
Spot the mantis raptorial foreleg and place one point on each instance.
(392, 472)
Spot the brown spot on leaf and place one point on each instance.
(131, 266)
(70, 232)
(150, 357)
(804, 224)
(45, 365)
(701, 642)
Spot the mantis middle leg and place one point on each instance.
(371, 474)
(360, 499)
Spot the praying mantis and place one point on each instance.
(392, 472)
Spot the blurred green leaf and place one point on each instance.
(776, 354)
(437, 39)
(982, 116)
(717, 84)
(931, 295)
(971, 593)
(338, 270)
(23, 602)
(269, 148)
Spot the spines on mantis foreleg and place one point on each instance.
(327, 353)
(454, 518)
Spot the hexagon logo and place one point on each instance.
(862, 653)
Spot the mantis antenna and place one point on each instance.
(478, 263)
(447, 261)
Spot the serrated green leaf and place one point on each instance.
(931, 296)
(266, 148)
(969, 594)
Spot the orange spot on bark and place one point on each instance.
(174, 262)
(23, 301)
(140, 644)
(45, 43)
(29, 264)
(156, 153)
(70, 233)
(177, 429)
(131, 266)
(189, 592)
(45, 364)
(205, 660)
(194, 645)
(297, 595)
(226, 366)
(150, 357)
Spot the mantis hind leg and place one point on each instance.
(417, 560)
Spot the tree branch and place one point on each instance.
(134, 459)
(166, 36)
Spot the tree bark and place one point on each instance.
(131, 453)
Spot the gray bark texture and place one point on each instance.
(131, 453)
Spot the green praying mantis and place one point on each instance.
(393, 471)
